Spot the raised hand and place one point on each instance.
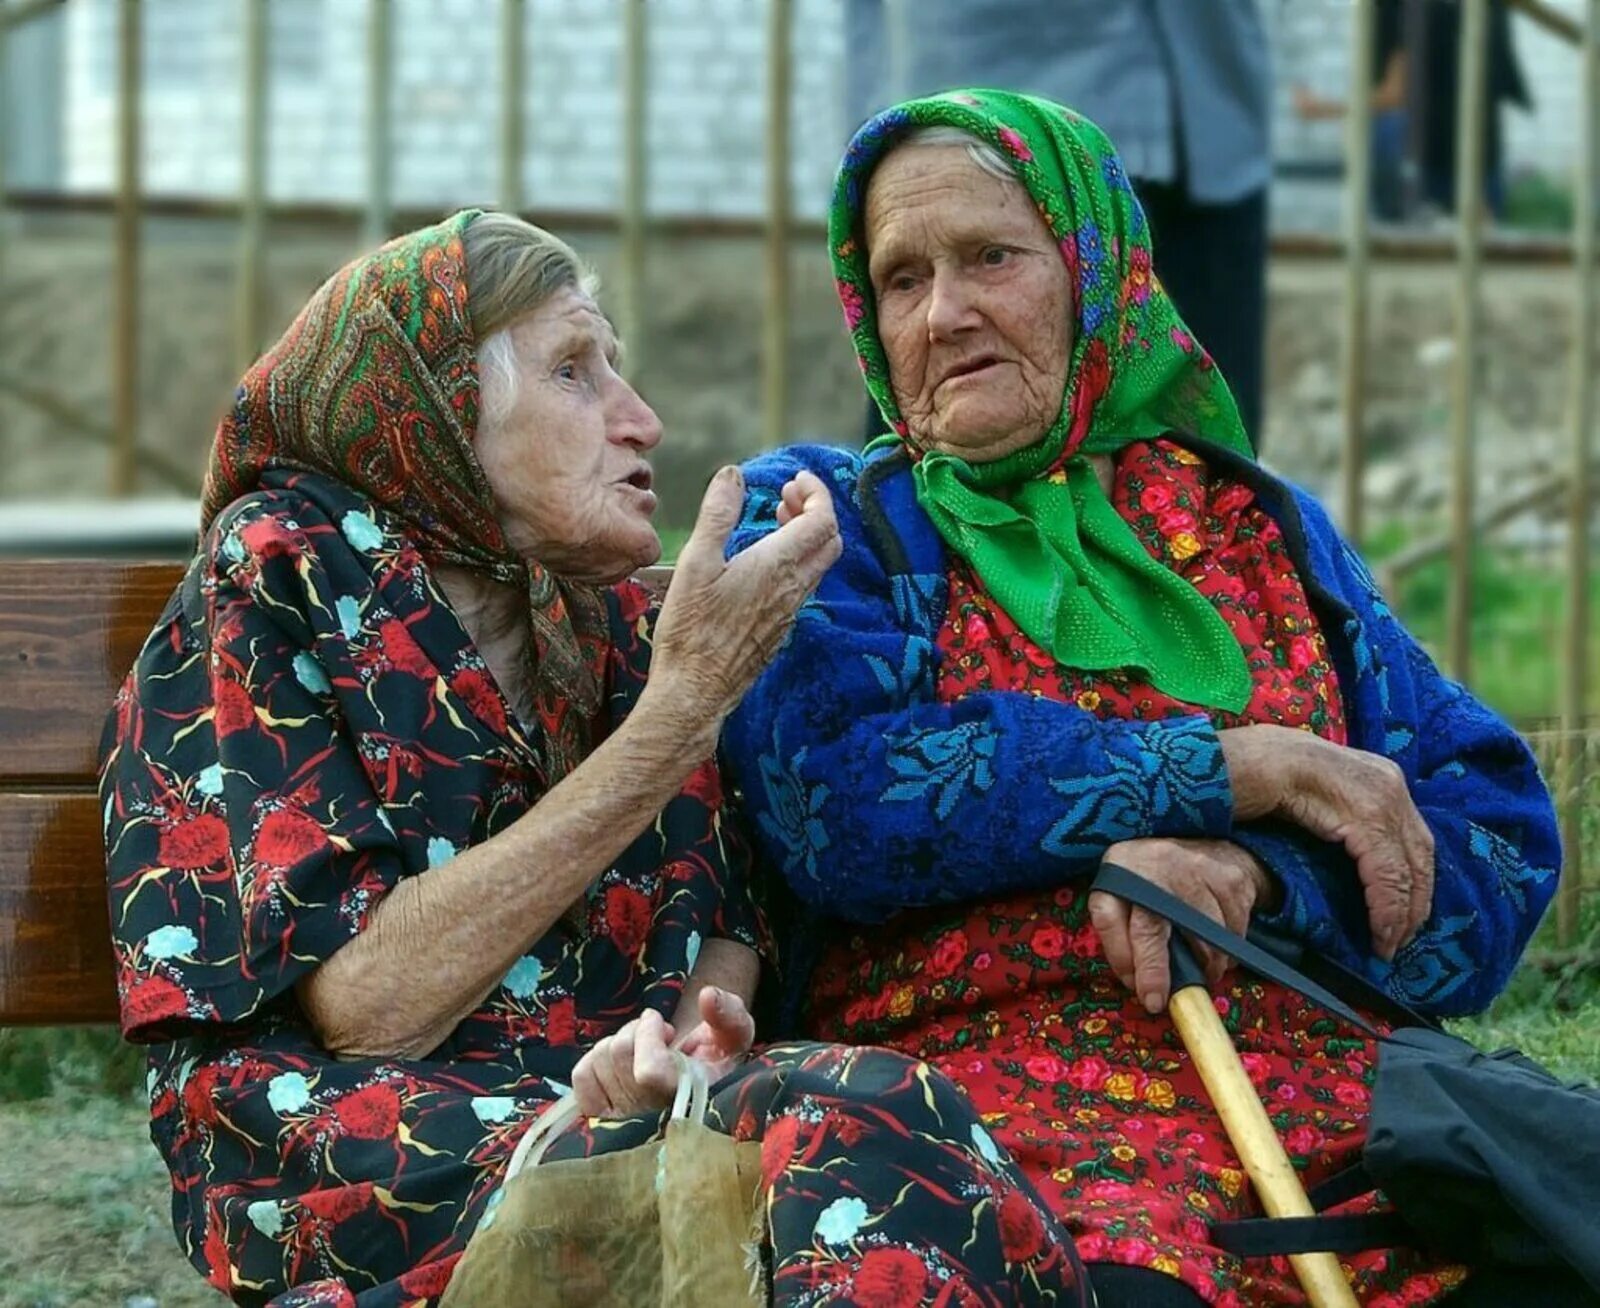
(723, 620)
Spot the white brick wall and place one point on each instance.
(707, 101)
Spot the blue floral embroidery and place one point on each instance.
(1511, 871)
(1435, 964)
(948, 763)
(913, 681)
(792, 820)
(1180, 768)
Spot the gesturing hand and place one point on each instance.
(1348, 797)
(633, 1071)
(724, 619)
(1216, 877)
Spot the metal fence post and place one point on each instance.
(125, 315)
(513, 15)
(1575, 687)
(1357, 225)
(380, 82)
(252, 203)
(775, 336)
(1470, 105)
(635, 178)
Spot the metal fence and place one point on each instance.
(1563, 744)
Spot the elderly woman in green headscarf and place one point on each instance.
(1074, 621)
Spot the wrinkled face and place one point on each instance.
(567, 461)
(974, 303)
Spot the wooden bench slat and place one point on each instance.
(70, 633)
(55, 931)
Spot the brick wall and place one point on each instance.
(707, 101)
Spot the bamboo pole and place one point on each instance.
(1469, 258)
(635, 179)
(1575, 686)
(1357, 226)
(775, 335)
(252, 200)
(513, 27)
(1262, 1154)
(5, 213)
(380, 84)
(125, 314)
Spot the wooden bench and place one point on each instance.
(69, 632)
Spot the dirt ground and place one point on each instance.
(84, 1210)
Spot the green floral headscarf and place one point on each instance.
(1036, 525)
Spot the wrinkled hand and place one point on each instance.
(1215, 877)
(723, 620)
(1348, 797)
(633, 1071)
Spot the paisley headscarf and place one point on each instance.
(1036, 526)
(376, 384)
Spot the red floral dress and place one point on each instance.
(1013, 1000)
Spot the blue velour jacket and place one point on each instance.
(870, 796)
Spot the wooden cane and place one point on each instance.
(1249, 1128)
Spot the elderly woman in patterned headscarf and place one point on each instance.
(395, 826)
(1073, 621)
(402, 842)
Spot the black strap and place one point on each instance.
(1266, 1237)
(1341, 1187)
(1136, 889)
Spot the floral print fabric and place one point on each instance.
(307, 725)
(1211, 532)
(882, 1188)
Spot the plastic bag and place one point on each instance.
(676, 1222)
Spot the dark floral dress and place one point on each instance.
(307, 725)
(1013, 1000)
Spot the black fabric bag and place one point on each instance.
(1487, 1159)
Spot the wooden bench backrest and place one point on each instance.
(69, 632)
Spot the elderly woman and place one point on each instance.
(395, 826)
(1074, 620)
(401, 842)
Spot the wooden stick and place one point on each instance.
(1265, 1162)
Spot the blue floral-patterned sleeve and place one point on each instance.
(1497, 851)
(871, 796)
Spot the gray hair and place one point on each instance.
(513, 267)
(978, 150)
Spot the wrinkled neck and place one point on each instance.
(494, 615)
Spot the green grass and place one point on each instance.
(1518, 622)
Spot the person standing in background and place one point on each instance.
(1183, 88)
(1416, 64)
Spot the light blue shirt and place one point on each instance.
(1182, 87)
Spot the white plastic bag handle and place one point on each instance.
(690, 1103)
